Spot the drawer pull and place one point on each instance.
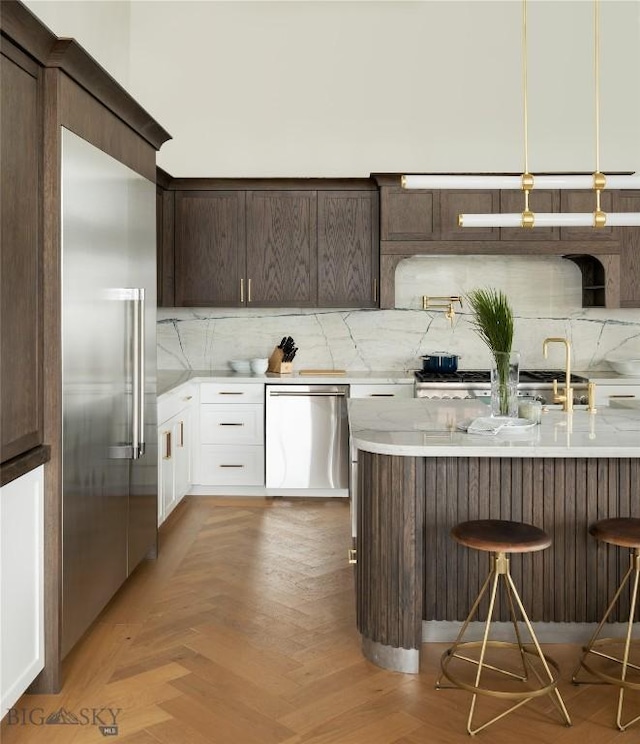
(230, 466)
(352, 553)
(234, 423)
(230, 392)
(622, 396)
(381, 395)
(188, 397)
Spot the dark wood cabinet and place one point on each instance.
(210, 251)
(539, 201)
(348, 249)
(585, 202)
(629, 201)
(407, 215)
(454, 203)
(21, 316)
(282, 261)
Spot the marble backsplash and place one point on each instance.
(544, 293)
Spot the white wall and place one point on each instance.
(100, 26)
(349, 88)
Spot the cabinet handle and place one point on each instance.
(241, 290)
(375, 290)
(230, 466)
(353, 555)
(249, 290)
(167, 445)
(230, 392)
(622, 396)
(188, 397)
(381, 395)
(234, 423)
(181, 434)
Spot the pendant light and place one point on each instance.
(527, 181)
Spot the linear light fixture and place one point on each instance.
(527, 182)
(559, 181)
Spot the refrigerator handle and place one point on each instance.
(137, 422)
(141, 373)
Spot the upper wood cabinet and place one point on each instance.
(585, 201)
(539, 201)
(282, 260)
(21, 317)
(263, 246)
(407, 215)
(629, 201)
(348, 249)
(455, 203)
(210, 254)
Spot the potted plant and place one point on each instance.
(493, 322)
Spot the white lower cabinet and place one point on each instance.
(21, 585)
(175, 434)
(374, 391)
(606, 393)
(231, 435)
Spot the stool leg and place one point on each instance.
(627, 644)
(534, 638)
(634, 568)
(500, 568)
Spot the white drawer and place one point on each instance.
(231, 424)
(231, 466)
(232, 392)
(620, 392)
(388, 390)
(171, 403)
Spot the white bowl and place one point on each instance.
(240, 365)
(626, 367)
(259, 366)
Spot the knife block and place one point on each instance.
(277, 365)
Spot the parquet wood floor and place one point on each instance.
(243, 632)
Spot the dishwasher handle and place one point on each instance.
(307, 394)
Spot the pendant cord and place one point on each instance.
(596, 75)
(526, 178)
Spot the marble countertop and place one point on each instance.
(419, 427)
(169, 379)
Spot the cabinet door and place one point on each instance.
(585, 201)
(629, 201)
(348, 249)
(281, 248)
(407, 215)
(20, 262)
(539, 201)
(456, 202)
(166, 471)
(182, 448)
(209, 248)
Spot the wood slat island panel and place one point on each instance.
(410, 569)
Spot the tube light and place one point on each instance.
(559, 181)
(550, 219)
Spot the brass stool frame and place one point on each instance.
(500, 568)
(595, 642)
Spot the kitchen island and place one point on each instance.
(419, 475)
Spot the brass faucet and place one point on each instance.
(567, 398)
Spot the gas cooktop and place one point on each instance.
(539, 376)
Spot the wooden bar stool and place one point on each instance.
(623, 532)
(501, 537)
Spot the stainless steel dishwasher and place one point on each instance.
(307, 438)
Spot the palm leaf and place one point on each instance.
(493, 318)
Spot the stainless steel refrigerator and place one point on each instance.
(108, 379)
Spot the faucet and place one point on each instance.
(567, 398)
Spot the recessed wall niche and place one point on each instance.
(536, 285)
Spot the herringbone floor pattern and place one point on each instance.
(243, 632)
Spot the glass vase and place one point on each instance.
(504, 383)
